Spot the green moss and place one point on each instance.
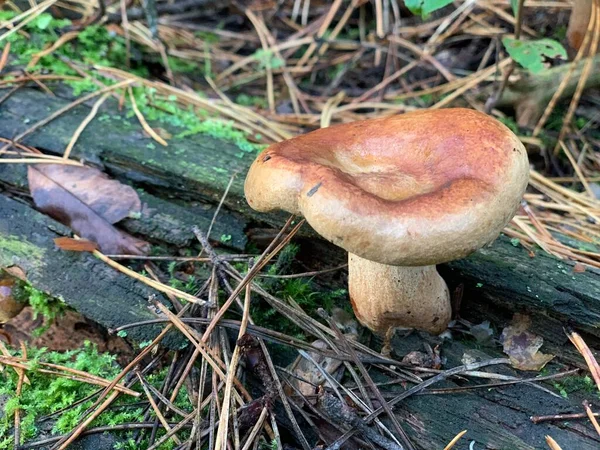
(251, 100)
(97, 46)
(178, 65)
(44, 305)
(575, 383)
(47, 394)
(302, 291)
(510, 123)
(14, 247)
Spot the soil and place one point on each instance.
(66, 332)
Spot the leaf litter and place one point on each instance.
(522, 346)
(87, 201)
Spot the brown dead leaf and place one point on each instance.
(16, 272)
(522, 346)
(75, 245)
(11, 298)
(304, 369)
(431, 359)
(88, 202)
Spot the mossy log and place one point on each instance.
(181, 185)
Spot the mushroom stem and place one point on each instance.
(387, 297)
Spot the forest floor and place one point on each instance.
(209, 325)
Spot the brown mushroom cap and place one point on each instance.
(415, 189)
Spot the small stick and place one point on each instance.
(539, 419)
(256, 429)
(437, 378)
(156, 409)
(84, 124)
(304, 274)
(455, 440)
(156, 285)
(18, 394)
(103, 429)
(67, 439)
(68, 107)
(147, 128)
(4, 57)
(221, 440)
(552, 443)
(590, 414)
(587, 354)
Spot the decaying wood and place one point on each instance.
(182, 184)
(79, 279)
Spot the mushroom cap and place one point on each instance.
(421, 188)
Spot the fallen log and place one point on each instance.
(183, 182)
(181, 185)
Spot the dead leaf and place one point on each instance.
(16, 272)
(482, 332)
(304, 369)
(75, 245)
(420, 359)
(109, 198)
(522, 346)
(88, 202)
(11, 303)
(578, 268)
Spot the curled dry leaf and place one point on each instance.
(420, 359)
(12, 298)
(75, 245)
(482, 332)
(522, 346)
(88, 202)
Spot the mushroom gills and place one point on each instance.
(387, 297)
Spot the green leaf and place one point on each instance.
(514, 4)
(425, 7)
(43, 21)
(531, 54)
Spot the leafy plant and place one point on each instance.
(424, 8)
(267, 60)
(532, 54)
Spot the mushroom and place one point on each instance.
(400, 194)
